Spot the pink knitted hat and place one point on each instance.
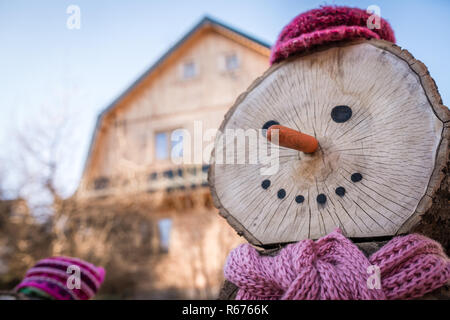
(326, 25)
(51, 276)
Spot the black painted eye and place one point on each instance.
(281, 193)
(267, 125)
(341, 114)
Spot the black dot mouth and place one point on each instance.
(356, 177)
(321, 198)
(340, 191)
(265, 184)
(281, 193)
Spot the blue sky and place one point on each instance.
(44, 65)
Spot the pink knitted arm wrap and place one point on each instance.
(334, 268)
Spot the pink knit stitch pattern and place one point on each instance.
(333, 268)
(325, 25)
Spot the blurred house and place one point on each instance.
(137, 148)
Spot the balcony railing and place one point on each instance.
(187, 177)
(181, 178)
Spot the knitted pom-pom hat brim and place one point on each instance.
(51, 275)
(326, 25)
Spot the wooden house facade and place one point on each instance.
(185, 93)
(193, 84)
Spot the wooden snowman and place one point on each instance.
(363, 141)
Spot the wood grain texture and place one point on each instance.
(397, 139)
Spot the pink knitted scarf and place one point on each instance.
(334, 268)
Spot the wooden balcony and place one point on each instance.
(174, 179)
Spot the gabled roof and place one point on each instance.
(204, 22)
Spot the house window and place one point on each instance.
(169, 143)
(101, 183)
(231, 62)
(168, 174)
(189, 70)
(153, 176)
(177, 144)
(164, 228)
(162, 146)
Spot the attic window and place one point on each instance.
(101, 183)
(231, 62)
(189, 70)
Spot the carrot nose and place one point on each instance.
(293, 139)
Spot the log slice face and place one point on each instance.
(383, 142)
